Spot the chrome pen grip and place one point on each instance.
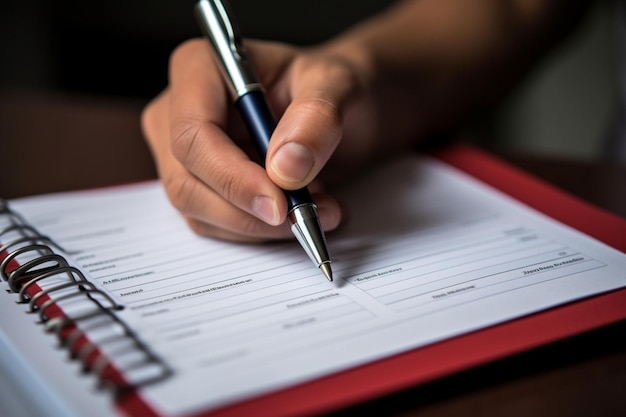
(228, 45)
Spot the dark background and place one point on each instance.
(568, 105)
(121, 47)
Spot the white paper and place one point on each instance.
(428, 253)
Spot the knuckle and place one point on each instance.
(340, 70)
(183, 52)
(337, 80)
(185, 136)
(322, 107)
(180, 189)
(230, 186)
(333, 69)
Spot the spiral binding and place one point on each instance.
(29, 259)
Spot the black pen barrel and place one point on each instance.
(261, 123)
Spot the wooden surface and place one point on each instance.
(52, 143)
(57, 143)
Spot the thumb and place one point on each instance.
(312, 125)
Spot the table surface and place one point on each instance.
(54, 143)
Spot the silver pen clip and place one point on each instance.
(219, 27)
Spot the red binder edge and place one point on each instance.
(451, 356)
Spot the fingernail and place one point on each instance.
(265, 208)
(292, 162)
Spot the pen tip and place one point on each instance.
(325, 267)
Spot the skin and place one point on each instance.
(418, 69)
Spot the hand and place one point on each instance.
(201, 148)
(420, 68)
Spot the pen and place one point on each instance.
(218, 26)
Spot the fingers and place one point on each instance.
(236, 229)
(200, 108)
(212, 180)
(206, 211)
(312, 125)
(208, 178)
(206, 174)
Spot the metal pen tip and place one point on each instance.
(327, 271)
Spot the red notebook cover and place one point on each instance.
(445, 358)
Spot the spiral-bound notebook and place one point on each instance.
(158, 321)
